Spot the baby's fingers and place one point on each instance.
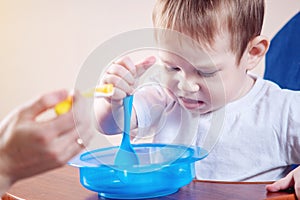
(118, 94)
(277, 186)
(137, 69)
(128, 64)
(296, 175)
(144, 65)
(121, 86)
(122, 72)
(281, 184)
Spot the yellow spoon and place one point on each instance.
(105, 90)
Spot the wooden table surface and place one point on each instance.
(63, 184)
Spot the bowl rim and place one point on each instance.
(194, 154)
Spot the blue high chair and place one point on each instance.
(283, 57)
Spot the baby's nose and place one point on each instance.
(188, 85)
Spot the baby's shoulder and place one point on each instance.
(271, 89)
(278, 98)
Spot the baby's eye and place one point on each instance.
(172, 68)
(207, 74)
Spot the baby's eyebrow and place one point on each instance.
(207, 65)
(199, 67)
(207, 68)
(167, 62)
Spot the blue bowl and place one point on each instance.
(162, 170)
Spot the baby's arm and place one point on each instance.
(293, 122)
(123, 74)
(291, 180)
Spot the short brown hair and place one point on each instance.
(204, 19)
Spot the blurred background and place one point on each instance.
(43, 43)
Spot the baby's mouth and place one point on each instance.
(191, 103)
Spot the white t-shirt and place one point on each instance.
(254, 138)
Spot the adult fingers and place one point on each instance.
(59, 125)
(67, 145)
(42, 103)
(62, 123)
(85, 117)
(64, 147)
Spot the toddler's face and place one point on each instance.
(204, 80)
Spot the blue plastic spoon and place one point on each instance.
(126, 155)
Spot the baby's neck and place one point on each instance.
(248, 84)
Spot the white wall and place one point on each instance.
(43, 43)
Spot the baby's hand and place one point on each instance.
(124, 74)
(291, 180)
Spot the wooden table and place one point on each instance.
(63, 184)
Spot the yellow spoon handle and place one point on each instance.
(64, 106)
(102, 91)
(105, 90)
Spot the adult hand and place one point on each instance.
(29, 147)
(291, 180)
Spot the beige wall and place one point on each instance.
(278, 12)
(43, 43)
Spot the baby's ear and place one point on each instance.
(256, 50)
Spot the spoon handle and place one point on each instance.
(127, 103)
(126, 154)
